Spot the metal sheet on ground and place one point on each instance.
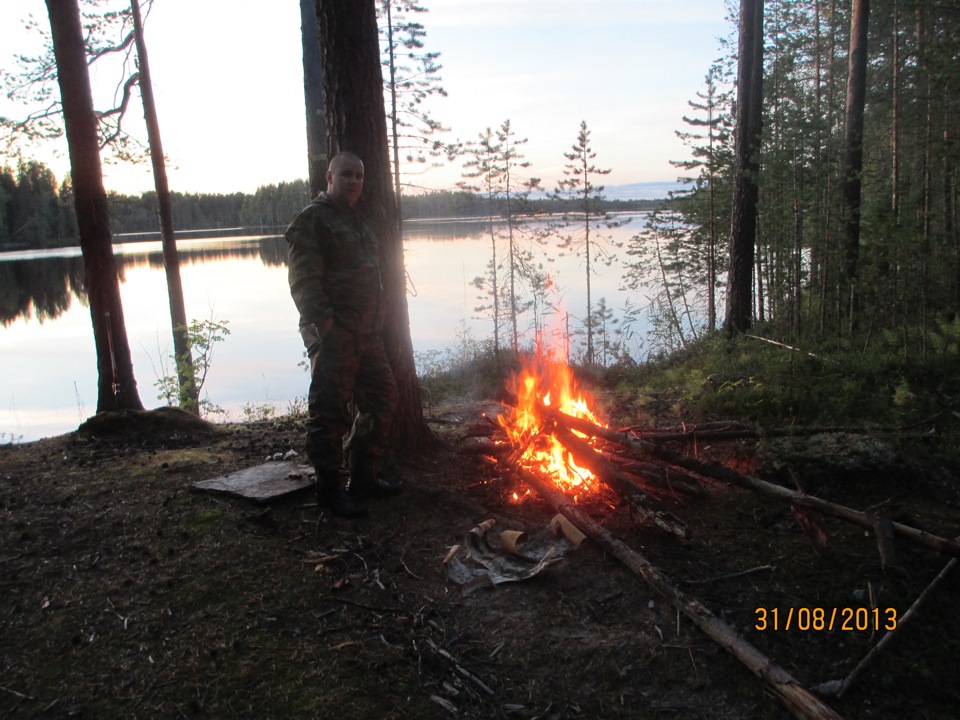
(261, 483)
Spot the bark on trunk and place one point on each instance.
(356, 122)
(743, 226)
(853, 150)
(313, 95)
(189, 392)
(117, 385)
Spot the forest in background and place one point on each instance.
(899, 277)
(36, 211)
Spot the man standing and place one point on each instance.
(334, 273)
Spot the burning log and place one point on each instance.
(800, 702)
(721, 472)
(484, 446)
(621, 483)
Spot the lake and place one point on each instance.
(47, 356)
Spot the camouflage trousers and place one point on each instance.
(352, 389)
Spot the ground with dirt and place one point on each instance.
(127, 595)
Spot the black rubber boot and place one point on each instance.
(364, 482)
(331, 495)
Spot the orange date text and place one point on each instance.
(817, 619)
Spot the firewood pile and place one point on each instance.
(548, 442)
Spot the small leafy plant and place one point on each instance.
(202, 338)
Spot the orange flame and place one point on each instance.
(545, 382)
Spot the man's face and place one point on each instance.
(345, 180)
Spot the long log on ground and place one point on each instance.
(798, 700)
(715, 470)
(745, 434)
(697, 434)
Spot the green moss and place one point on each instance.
(204, 520)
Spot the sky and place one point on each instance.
(229, 89)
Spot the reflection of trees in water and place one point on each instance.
(444, 230)
(44, 288)
(272, 251)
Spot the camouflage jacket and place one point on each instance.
(334, 267)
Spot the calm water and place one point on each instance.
(47, 358)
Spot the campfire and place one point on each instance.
(550, 442)
(550, 432)
(546, 384)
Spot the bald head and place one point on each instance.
(345, 178)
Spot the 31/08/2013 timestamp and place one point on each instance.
(825, 619)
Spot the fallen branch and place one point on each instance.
(790, 347)
(731, 576)
(459, 668)
(694, 433)
(747, 434)
(17, 694)
(836, 688)
(800, 702)
(722, 472)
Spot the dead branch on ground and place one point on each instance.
(721, 472)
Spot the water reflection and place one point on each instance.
(445, 229)
(47, 356)
(43, 285)
(41, 288)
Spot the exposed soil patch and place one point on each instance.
(126, 595)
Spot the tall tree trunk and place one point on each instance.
(189, 392)
(313, 95)
(895, 121)
(894, 263)
(926, 184)
(853, 151)
(117, 385)
(950, 211)
(394, 118)
(356, 122)
(743, 226)
(712, 241)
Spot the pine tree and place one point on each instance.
(515, 189)
(705, 204)
(411, 77)
(587, 239)
(743, 226)
(353, 96)
(495, 159)
(480, 167)
(117, 387)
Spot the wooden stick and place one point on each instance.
(722, 472)
(798, 700)
(836, 688)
